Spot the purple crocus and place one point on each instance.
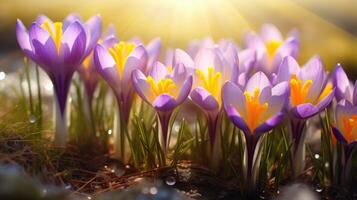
(345, 131)
(345, 127)
(212, 68)
(271, 47)
(59, 48)
(115, 61)
(255, 109)
(164, 88)
(310, 93)
(344, 87)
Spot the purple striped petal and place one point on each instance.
(164, 102)
(258, 80)
(342, 84)
(326, 101)
(93, 27)
(204, 99)
(141, 86)
(181, 57)
(74, 38)
(269, 124)
(185, 90)
(236, 118)
(136, 60)
(304, 111)
(232, 95)
(159, 71)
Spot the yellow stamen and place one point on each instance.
(120, 52)
(86, 61)
(56, 34)
(272, 46)
(299, 90)
(349, 124)
(169, 68)
(254, 109)
(325, 92)
(164, 85)
(211, 82)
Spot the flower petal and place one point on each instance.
(93, 28)
(232, 95)
(236, 118)
(271, 33)
(75, 39)
(304, 111)
(204, 99)
(136, 60)
(153, 49)
(258, 80)
(185, 90)
(164, 102)
(141, 86)
(342, 84)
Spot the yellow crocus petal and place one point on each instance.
(86, 61)
(349, 123)
(120, 52)
(299, 90)
(327, 90)
(56, 34)
(254, 109)
(272, 46)
(211, 82)
(164, 85)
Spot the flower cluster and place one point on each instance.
(257, 86)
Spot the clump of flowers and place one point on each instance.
(240, 99)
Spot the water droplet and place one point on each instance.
(153, 190)
(277, 191)
(127, 166)
(2, 75)
(32, 119)
(110, 131)
(88, 197)
(317, 156)
(170, 180)
(327, 165)
(67, 187)
(318, 188)
(262, 195)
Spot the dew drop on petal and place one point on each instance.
(170, 180)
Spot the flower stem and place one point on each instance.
(299, 135)
(61, 131)
(164, 118)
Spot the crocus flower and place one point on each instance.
(59, 48)
(344, 87)
(271, 47)
(115, 61)
(310, 93)
(345, 131)
(164, 88)
(255, 109)
(212, 68)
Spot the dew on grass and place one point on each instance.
(170, 180)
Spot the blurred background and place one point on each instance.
(328, 28)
